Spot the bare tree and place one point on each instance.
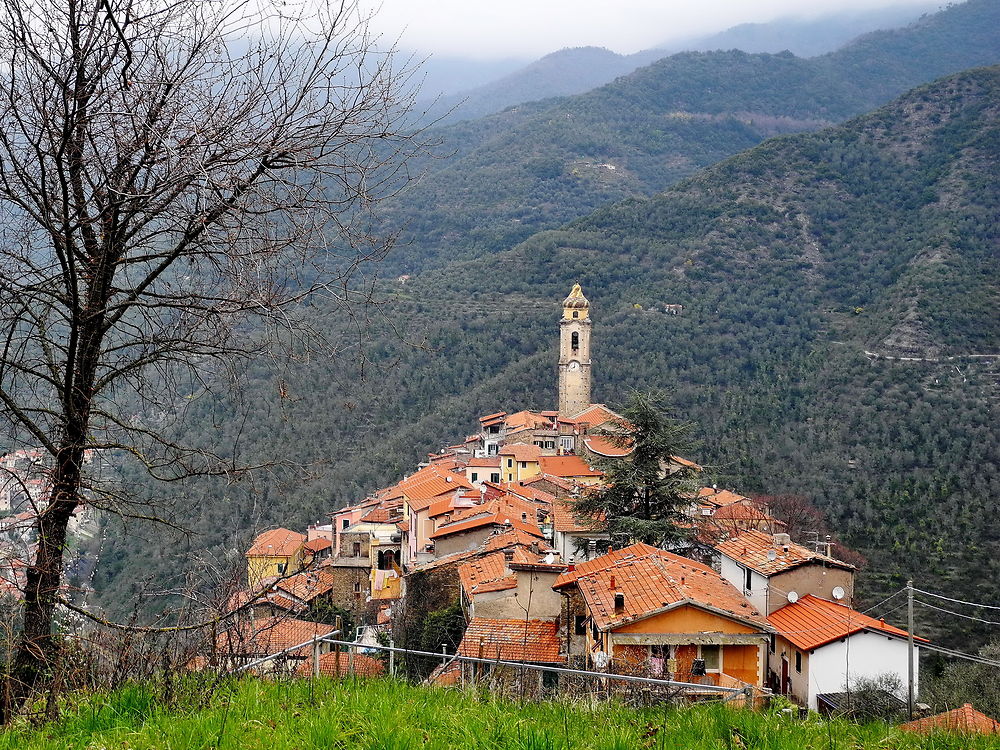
(167, 171)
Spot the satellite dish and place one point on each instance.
(793, 597)
(838, 592)
(772, 555)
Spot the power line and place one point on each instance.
(957, 614)
(957, 601)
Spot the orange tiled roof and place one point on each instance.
(632, 552)
(276, 543)
(526, 419)
(685, 463)
(497, 518)
(486, 462)
(660, 581)
(268, 635)
(488, 572)
(538, 496)
(533, 641)
(565, 521)
(428, 484)
(812, 622)
(751, 549)
(449, 504)
(720, 498)
(567, 466)
(521, 451)
(492, 418)
(966, 720)
(549, 479)
(595, 415)
(359, 666)
(384, 513)
(308, 584)
(318, 545)
(605, 446)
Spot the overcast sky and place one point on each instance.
(531, 28)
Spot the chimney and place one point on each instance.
(508, 558)
(611, 548)
(619, 603)
(524, 517)
(591, 549)
(534, 548)
(782, 540)
(613, 587)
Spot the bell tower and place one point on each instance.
(574, 354)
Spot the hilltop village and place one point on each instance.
(489, 526)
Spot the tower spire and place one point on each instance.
(574, 354)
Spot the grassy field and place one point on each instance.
(378, 715)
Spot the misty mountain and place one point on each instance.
(539, 165)
(576, 70)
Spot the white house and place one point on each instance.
(823, 646)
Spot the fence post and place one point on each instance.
(336, 647)
(315, 656)
(392, 658)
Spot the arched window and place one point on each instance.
(575, 341)
(576, 313)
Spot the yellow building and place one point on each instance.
(275, 553)
(519, 462)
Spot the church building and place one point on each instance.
(574, 354)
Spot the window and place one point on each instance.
(580, 625)
(495, 478)
(575, 340)
(747, 579)
(771, 645)
(576, 313)
(798, 661)
(713, 658)
(510, 463)
(475, 476)
(357, 587)
(523, 464)
(282, 567)
(345, 523)
(357, 549)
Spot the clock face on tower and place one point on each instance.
(573, 366)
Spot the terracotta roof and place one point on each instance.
(308, 584)
(605, 446)
(521, 451)
(527, 419)
(657, 582)
(403, 525)
(751, 549)
(565, 521)
(533, 494)
(276, 543)
(428, 484)
(548, 479)
(567, 466)
(632, 552)
(488, 572)
(595, 415)
(318, 545)
(720, 498)
(966, 720)
(512, 640)
(685, 463)
(812, 622)
(359, 666)
(268, 635)
(492, 418)
(386, 513)
(487, 462)
(449, 504)
(497, 518)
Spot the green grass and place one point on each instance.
(250, 714)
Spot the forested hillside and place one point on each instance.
(539, 165)
(807, 267)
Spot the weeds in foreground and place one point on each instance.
(250, 714)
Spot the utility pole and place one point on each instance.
(909, 652)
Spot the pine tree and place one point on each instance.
(645, 492)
